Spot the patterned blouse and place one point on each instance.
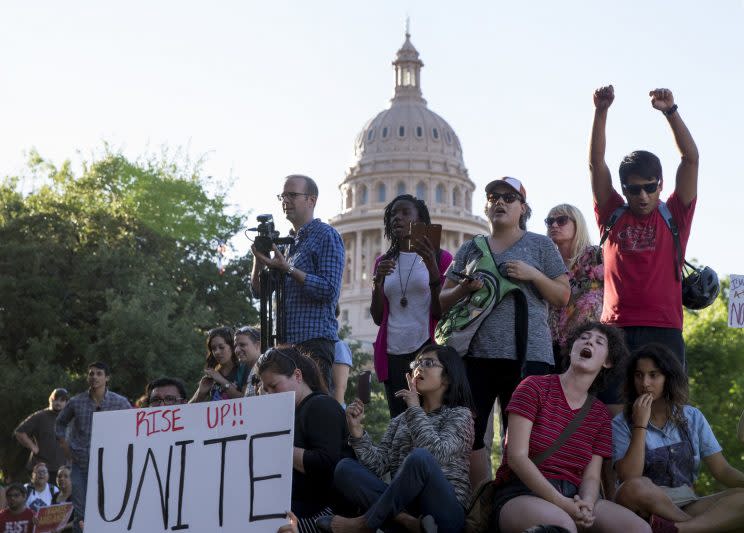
(447, 433)
(587, 291)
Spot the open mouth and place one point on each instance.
(585, 353)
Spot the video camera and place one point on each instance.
(267, 235)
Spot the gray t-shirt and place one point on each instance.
(495, 338)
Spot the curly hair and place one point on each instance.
(423, 216)
(676, 391)
(617, 351)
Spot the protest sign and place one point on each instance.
(736, 302)
(212, 467)
(53, 517)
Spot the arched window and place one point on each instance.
(456, 197)
(371, 134)
(419, 131)
(362, 195)
(384, 132)
(381, 192)
(439, 194)
(421, 191)
(401, 131)
(435, 133)
(401, 188)
(468, 204)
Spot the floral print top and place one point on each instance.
(587, 291)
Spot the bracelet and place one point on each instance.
(672, 110)
(290, 270)
(640, 427)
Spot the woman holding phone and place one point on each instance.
(405, 295)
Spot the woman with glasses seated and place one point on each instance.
(567, 228)
(248, 350)
(225, 377)
(500, 354)
(320, 433)
(426, 451)
(405, 295)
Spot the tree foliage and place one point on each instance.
(715, 360)
(116, 264)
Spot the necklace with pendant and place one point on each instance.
(403, 299)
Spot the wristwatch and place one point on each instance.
(290, 270)
(226, 386)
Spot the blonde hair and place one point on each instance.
(581, 236)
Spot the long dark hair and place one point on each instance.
(676, 392)
(458, 390)
(617, 351)
(285, 359)
(227, 335)
(423, 216)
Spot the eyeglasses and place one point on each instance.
(508, 197)
(561, 220)
(165, 400)
(292, 196)
(636, 189)
(425, 363)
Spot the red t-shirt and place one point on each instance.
(22, 522)
(541, 400)
(640, 284)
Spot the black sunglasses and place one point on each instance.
(267, 357)
(561, 220)
(249, 330)
(636, 189)
(508, 197)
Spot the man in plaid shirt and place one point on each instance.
(78, 414)
(313, 268)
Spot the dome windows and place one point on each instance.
(401, 131)
(401, 188)
(435, 134)
(419, 131)
(448, 137)
(421, 191)
(384, 132)
(381, 192)
(439, 194)
(371, 134)
(362, 196)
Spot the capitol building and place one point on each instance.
(405, 149)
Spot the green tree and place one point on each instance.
(715, 360)
(117, 264)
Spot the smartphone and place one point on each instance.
(419, 230)
(462, 275)
(364, 386)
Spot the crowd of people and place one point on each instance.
(585, 357)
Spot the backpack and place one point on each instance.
(700, 285)
(460, 323)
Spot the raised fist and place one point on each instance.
(604, 96)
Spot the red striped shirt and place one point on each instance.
(541, 400)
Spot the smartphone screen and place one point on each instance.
(434, 232)
(416, 231)
(364, 386)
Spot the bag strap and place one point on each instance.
(567, 432)
(668, 220)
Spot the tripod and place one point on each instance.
(273, 318)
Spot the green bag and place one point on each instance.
(458, 325)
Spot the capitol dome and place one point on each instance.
(405, 149)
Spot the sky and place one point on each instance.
(260, 90)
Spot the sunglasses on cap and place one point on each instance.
(249, 330)
(636, 189)
(508, 197)
(561, 220)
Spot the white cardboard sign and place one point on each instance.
(736, 302)
(213, 467)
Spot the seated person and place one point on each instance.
(562, 488)
(320, 433)
(659, 443)
(17, 517)
(426, 449)
(225, 377)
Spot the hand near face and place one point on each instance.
(662, 99)
(205, 383)
(642, 409)
(354, 418)
(603, 97)
(410, 395)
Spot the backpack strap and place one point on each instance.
(572, 426)
(521, 322)
(672, 225)
(607, 226)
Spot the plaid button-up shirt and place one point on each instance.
(310, 307)
(79, 412)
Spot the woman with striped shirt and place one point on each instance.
(563, 489)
